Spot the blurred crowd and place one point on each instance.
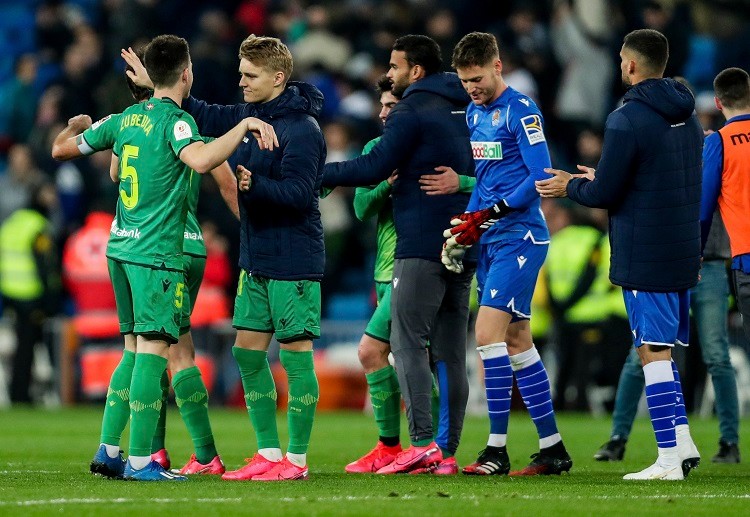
(61, 58)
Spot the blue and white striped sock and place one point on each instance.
(498, 383)
(533, 384)
(680, 415)
(661, 399)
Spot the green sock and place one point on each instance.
(303, 397)
(385, 395)
(158, 442)
(192, 399)
(145, 401)
(435, 408)
(421, 443)
(260, 395)
(117, 404)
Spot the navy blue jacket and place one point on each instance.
(281, 236)
(649, 179)
(427, 128)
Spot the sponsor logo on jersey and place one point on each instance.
(487, 150)
(190, 236)
(740, 138)
(495, 117)
(135, 233)
(532, 126)
(182, 130)
(99, 122)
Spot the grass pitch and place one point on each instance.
(44, 458)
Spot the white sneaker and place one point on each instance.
(656, 471)
(686, 450)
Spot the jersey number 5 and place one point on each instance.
(128, 172)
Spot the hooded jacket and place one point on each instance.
(281, 236)
(427, 128)
(649, 179)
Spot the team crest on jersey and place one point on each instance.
(487, 150)
(182, 130)
(99, 122)
(532, 126)
(495, 118)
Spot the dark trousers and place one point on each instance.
(28, 330)
(429, 304)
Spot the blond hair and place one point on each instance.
(269, 53)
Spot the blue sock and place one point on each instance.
(498, 382)
(533, 384)
(680, 415)
(660, 395)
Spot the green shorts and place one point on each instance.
(149, 300)
(194, 268)
(379, 326)
(288, 308)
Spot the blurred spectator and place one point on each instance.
(673, 20)
(318, 45)
(21, 99)
(29, 281)
(18, 181)
(441, 26)
(580, 35)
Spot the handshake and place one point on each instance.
(466, 230)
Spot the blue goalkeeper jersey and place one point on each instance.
(510, 153)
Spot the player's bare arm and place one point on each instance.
(65, 147)
(203, 157)
(227, 187)
(114, 168)
(444, 182)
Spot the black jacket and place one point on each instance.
(427, 128)
(649, 179)
(281, 236)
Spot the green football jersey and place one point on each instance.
(103, 133)
(149, 225)
(369, 201)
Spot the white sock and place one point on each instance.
(549, 441)
(297, 459)
(271, 454)
(113, 451)
(497, 440)
(682, 431)
(493, 350)
(524, 359)
(139, 462)
(668, 457)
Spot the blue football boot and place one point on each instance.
(108, 467)
(151, 472)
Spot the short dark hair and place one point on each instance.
(475, 49)
(384, 84)
(652, 46)
(139, 93)
(165, 59)
(420, 50)
(732, 88)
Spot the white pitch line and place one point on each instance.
(465, 497)
(26, 471)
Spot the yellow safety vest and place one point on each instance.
(570, 252)
(19, 278)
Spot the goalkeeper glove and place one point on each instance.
(452, 257)
(469, 226)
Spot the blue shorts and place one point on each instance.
(661, 319)
(507, 273)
